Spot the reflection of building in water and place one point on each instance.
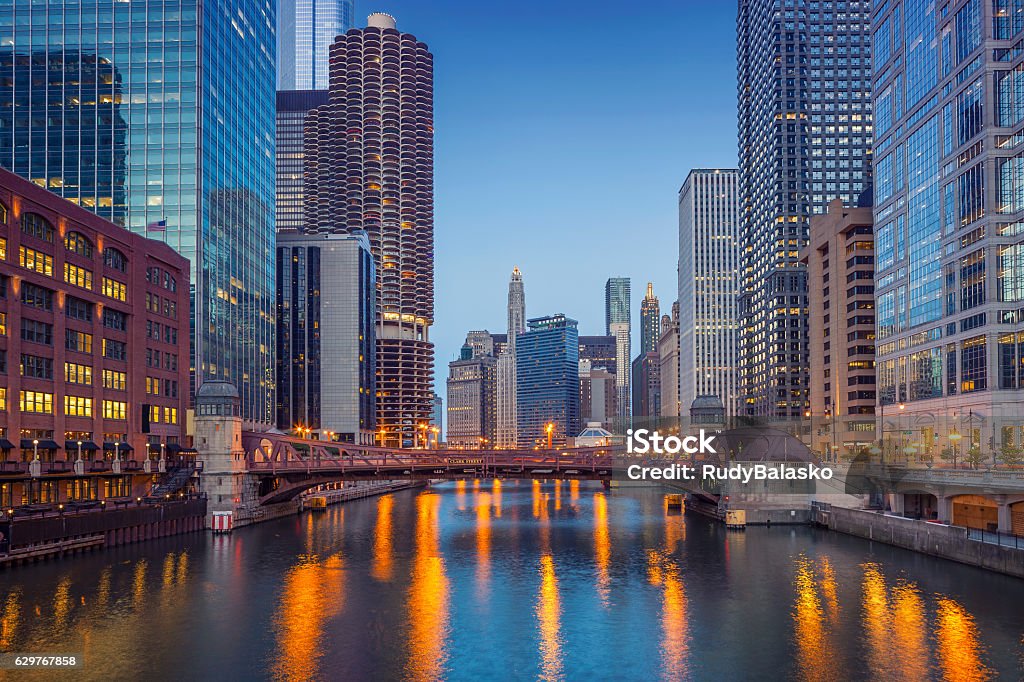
(63, 126)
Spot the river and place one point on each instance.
(514, 580)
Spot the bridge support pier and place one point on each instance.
(218, 439)
(1004, 518)
(945, 508)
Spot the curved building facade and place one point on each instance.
(369, 166)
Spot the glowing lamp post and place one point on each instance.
(550, 429)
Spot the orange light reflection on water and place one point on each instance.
(549, 611)
(428, 596)
(312, 594)
(483, 544)
(383, 540)
(959, 649)
(602, 547)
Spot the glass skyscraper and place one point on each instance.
(305, 31)
(547, 381)
(160, 116)
(949, 236)
(617, 324)
(804, 100)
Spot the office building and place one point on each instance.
(647, 386)
(650, 321)
(506, 398)
(840, 274)
(169, 135)
(709, 285)
(804, 110)
(305, 31)
(93, 351)
(369, 161)
(597, 394)
(438, 420)
(668, 359)
(472, 408)
(616, 322)
(326, 334)
(601, 351)
(292, 107)
(949, 242)
(547, 381)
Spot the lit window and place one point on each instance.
(37, 261)
(76, 276)
(114, 289)
(36, 402)
(77, 406)
(114, 409)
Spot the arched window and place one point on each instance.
(77, 243)
(113, 258)
(37, 226)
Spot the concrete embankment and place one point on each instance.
(948, 542)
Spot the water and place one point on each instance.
(514, 581)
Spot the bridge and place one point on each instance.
(285, 466)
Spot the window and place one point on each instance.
(3, 324)
(36, 367)
(77, 406)
(76, 276)
(3, 398)
(113, 258)
(36, 261)
(77, 309)
(170, 415)
(77, 341)
(152, 386)
(114, 289)
(114, 380)
(154, 414)
(77, 374)
(114, 409)
(37, 226)
(35, 402)
(77, 243)
(115, 350)
(34, 331)
(3, 248)
(114, 319)
(973, 357)
(37, 297)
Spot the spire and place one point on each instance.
(650, 290)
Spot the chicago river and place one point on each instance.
(514, 580)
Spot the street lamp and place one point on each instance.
(550, 428)
(35, 449)
(955, 437)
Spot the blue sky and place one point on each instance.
(563, 132)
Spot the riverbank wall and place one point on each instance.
(54, 535)
(947, 542)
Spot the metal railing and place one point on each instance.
(995, 537)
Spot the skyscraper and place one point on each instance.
(369, 166)
(305, 31)
(949, 243)
(292, 108)
(616, 321)
(650, 321)
(506, 403)
(709, 280)
(326, 322)
(472, 393)
(547, 377)
(169, 135)
(804, 89)
(668, 360)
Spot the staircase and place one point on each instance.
(174, 480)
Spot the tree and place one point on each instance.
(1010, 454)
(973, 456)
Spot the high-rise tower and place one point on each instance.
(616, 320)
(370, 166)
(949, 242)
(506, 388)
(305, 31)
(650, 321)
(804, 93)
(162, 120)
(709, 280)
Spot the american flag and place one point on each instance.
(157, 226)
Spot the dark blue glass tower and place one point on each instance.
(547, 380)
(159, 115)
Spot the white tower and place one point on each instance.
(507, 427)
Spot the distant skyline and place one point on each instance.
(563, 134)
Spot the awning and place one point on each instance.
(188, 452)
(172, 448)
(6, 444)
(123, 447)
(87, 446)
(27, 444)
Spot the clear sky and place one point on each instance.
(563, 132)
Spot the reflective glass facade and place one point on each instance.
(305, 31)
(617, 324)
(804, 93)
(292, 107)
(949, 236)
(115, 106)
(547, 381)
